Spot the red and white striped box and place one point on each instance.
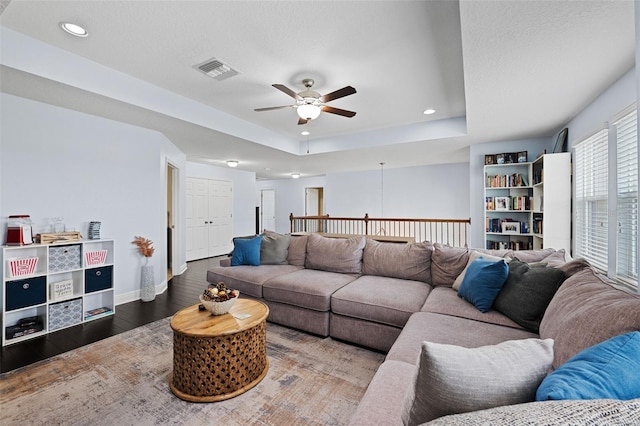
(97, 257)
(21, 267)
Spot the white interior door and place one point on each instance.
(220, 203)
(268, 210)
(197, 220)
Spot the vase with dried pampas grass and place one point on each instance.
(147, 281)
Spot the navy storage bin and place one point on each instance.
(96, 279)
(23, 293)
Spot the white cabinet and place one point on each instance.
(47, 287)
(528, 205)
(551, 222)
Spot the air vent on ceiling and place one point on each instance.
(217, 69)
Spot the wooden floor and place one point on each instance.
(183, 290)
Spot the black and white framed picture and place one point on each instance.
(522, 157)
(510, 227)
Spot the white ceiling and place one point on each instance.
(493, 70)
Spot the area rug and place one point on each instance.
(124, 380)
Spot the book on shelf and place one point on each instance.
(506, 181)
(99, 311)
(509, 245)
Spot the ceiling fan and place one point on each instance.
(310, 103)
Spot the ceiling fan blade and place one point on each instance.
(338, 111)
(340, 93)
(272, 108)
(302, 121)
(286, 90)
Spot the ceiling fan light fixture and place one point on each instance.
(308, 111)
(233, 163)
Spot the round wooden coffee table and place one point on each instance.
(217, 357)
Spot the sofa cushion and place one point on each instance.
(380, 299)
(483, 281)
(342, 255)
(554, 260)
(610, 369)
(445, 300)
(574, 266)
(306, 288)
(406, 261)
(274, 249)
(527, 293)
(246, 251)
(383, 401)
(452, 379)
(585, 311)
(297, 250)
(551, 413)
(437, 328)
(248, 279)
(530, 256)
(447, 263)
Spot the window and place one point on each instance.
(627, 197)
(606, 227)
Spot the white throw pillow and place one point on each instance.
(452, 379)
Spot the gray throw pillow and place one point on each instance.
(452, 379)
(527, 293)
(274, 249)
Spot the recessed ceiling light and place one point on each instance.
(74, 29)
(295, 175)
(233, 163)
(429, 111)
(305, 133)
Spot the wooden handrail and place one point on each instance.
(447, 231)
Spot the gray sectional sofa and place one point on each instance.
(394, 297)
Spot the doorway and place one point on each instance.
(268, 210)
(172, 209)
(314, 206)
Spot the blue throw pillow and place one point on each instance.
(608, 370)
(246, 251)
(483, 281)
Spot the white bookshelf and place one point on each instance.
(539, 201)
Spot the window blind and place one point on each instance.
(627, 197)
(591, 219)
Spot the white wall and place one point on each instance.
(614, 99)
(58, 162)
(289, 197)
(244, 193)
(437, 191)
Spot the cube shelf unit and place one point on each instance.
(521, 212)
(71, 283)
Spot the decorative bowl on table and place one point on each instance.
(218, 299)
